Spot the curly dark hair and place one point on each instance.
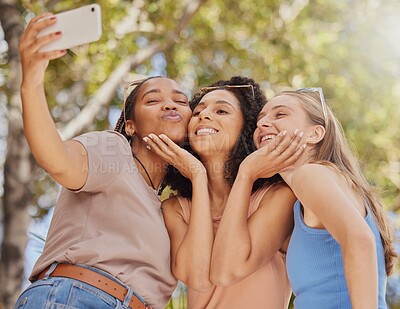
(250, 106)
(129, 107)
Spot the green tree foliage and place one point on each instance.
(350, 48)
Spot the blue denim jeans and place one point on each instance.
(66, 293)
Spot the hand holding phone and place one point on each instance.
(77, 27)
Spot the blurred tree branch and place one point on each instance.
(18, 167)
(107, 90)
(289, 12)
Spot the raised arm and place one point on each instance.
(242, 244)
(346, 224)
(66, 162)
(191, 242)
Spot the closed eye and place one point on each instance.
(182, 102)
(221, 111)
(152, 101)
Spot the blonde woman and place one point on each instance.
(341, 250)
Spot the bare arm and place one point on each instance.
(191, 242)
(345, 223)
(242, 245)
(66, 162)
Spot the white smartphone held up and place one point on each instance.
(78, 26)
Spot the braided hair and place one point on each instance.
(129, 109)
(250, 106)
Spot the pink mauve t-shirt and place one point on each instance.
(266, 288)
(113, 223)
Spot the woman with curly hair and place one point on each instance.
(227, 231)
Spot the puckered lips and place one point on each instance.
(173, 116)
(205, 130)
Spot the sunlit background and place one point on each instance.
(350, 48)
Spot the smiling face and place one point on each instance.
(283, 112)
(160, 107)
(216, 123)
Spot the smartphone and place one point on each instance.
(78, 26)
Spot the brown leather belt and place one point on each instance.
(97, 280)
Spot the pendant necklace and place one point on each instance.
(148, 176)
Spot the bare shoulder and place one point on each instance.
(313, 168)
(173, 213)
(278, 189)
(313, 173)
(280, 192)
(172, 208)
(171, 204)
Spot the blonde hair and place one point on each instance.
(334, 150)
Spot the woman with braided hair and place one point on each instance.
(100, 252)
(228, 231)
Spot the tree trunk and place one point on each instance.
(18, 169)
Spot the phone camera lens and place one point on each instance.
(92, 9)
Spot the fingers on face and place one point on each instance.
(290, 144)
(281, 142)
(167, 140)
(296, 155)
(155, 143)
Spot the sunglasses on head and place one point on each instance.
(204, 90)
(321, 97)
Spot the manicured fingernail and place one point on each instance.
(301, 134)
(295, 132)
(58, 33)
(304, 146)
(148, 147)
(284, 132)
(146, 139)
(161, 136)
(53, 18)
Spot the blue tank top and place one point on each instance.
(315, 266)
